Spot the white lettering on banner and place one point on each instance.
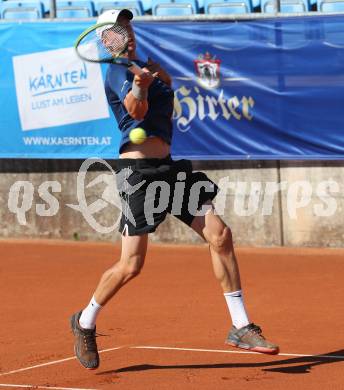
(37, 105)
(78, 98)
(67, 141)
(56, 88)
(188, 106)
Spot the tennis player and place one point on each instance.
(146, 101)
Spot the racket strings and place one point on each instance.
(104, 43)
(116, 38)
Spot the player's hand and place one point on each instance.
(155, 68)
(145, 80)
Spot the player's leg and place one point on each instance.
(219, 237)
(132, 258)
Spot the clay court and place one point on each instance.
(166, 329)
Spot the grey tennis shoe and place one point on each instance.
(250, 337)
(85, 345)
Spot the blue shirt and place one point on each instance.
(158, 119)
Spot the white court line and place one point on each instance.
(37, 366)
(340, 357)
(238, 352)
(41, 387)
(53, 362)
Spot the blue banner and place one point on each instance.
(258, 89)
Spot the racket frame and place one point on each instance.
(131, 65)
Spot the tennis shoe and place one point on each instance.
(250, 337)
(85, 345)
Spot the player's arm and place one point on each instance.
(136, 100)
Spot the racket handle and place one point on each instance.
(135, 69)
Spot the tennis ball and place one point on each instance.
(137, 136)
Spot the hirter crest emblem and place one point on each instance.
(208, 70)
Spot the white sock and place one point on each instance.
(237, 309)
(89, 315)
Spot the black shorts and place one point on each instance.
(150, 188)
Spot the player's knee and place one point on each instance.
(132, 266)
(221, 241)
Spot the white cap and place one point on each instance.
(111, 16)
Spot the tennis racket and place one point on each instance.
(106, 43)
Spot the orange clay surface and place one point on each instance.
(166, 329)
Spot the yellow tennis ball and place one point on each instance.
(138, 135)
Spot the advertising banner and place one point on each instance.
(256, 89)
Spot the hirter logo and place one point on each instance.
(208, 70)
